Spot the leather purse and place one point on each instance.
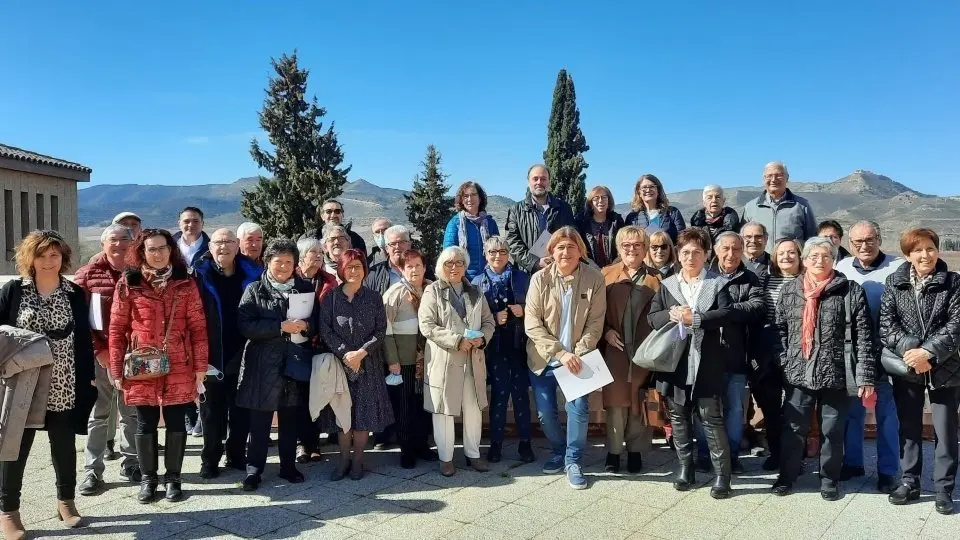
(893, 363)
(662, 349)
(146, 363)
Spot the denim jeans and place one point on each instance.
(578, 417)
(733, 407)
(888, 431)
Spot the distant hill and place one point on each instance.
(859, 195)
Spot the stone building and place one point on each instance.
(38, 192)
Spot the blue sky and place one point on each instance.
(695, 92)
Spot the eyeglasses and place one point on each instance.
(398, 244)
(337, 239)
(450, 265)
(819, 257)
(470, 196)
(648, 189)
(628, 246)
(774, 176)
(495, 252)
(157, 250)
(118, 241)
(600, 198)
(221, 243)
(872, 241)
(330, 211)
(753, 237)
(659, 247)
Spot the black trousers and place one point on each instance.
(308, 431)
(63, 453)
(909, 398)
(831, 406)
(412, 424)
(214, 415)
(238, 422)
(174, 417)
(767, 388)
(260, 424)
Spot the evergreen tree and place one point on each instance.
(306, 162)
(566, 145)
(429, 208)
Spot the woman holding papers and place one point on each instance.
(564, 317)
(630, 288)
(276, 359)
(455, 319)
(695, 298)
(157, 304)
(353, 326)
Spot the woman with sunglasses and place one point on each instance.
(44, 302)
(661, 256)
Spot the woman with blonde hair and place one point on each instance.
(598, 225)
(42, 301)
(652, 210)
(566, 304)
(661, 255)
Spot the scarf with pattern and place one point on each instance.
(480, 220)
(157, 278)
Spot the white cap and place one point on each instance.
(125, 215)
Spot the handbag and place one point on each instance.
(145, 363)
(893, 363)
(298, 364)
(662, 349)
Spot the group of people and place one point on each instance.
(398, 346)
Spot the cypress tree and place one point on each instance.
(566, 145)
(429, 208)
(306, 162)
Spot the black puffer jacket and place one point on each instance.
(729, 221)
(746, 294)
(901, 329)
(263, 385)
(826, 367)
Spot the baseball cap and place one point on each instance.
(125, 215)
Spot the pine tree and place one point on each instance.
(429, 208)
(306, 160)
(566, 145)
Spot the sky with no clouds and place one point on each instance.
(695, 92)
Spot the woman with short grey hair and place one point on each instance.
(336, 241)
(715, 217)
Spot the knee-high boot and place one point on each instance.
(683, 442)
(173, 462)
(147, 457)
(719, 446)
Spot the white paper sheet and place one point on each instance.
(300, 308)
(593, 376)
(539, 248)
(96, 311)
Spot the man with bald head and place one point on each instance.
(869, 266)
(223, 273)
(540, 212)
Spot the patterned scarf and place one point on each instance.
(917, 281)
(812, 292)
(282, 288)
(157, 278)
(480, 220)
(500, 290)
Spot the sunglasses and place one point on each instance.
(659, 247)
(333, 211)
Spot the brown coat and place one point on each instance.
(627, 378)
(542, 314)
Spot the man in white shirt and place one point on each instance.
(191, 239)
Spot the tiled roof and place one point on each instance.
(12, 152)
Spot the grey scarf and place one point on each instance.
(480, 220)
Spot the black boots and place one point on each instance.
(683, 442)
(525, 450)
(904, 494)
(719, 447)
(147, 456)
(634, 462)
(173, 462)
(495, 452)
(612, 464)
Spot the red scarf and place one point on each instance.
(812, 293)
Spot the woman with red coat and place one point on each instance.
(157, 304)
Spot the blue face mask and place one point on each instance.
(394, 380)
(380, 240)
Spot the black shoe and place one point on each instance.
(132, 474)
(944, 504)
(704, 465)
(721, 488)
(829, 490)
(771, 463)
(408, 461)
(903, 495)
(686, 478)
(148, 490)
(886, 483)
(848, 473)
(735, 466)
(209, 471)
(293, 476)
(251, 482)
(612, 464)
(782, 488)
(110, 454)
(427, 454)
(174, 487)
(634, 462)
(495, 452)
(525, 450)
(91, 485)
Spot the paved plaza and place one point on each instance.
(512, 501)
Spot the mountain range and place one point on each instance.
(860, 195)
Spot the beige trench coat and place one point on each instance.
(445, 366)
(542, 314)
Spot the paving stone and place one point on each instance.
(560, 495)
(675, 524)
(258, 521)
(802, 520)
(506, 488)
(649, 491)
(577, 528)
(147, 526)
(467, 506)
(472, 532)
(416, 495)
(872, 516)
(419, 526)
(626, 515)
(315, 500)
(370, 483)
(206, 532)
(701, 504)
(311, 528)
(363, 514)
(519, 521)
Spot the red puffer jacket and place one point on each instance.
(101, 278)
(139, 312)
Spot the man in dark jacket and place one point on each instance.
(98, 280)
(755, 256)
(191, 239)
(223, 275)
(747, 296)
(384, 274)
(332, 212)
(831, 230)
(530, 218)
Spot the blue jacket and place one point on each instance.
(204, 248)
(251, 272)
(478, 259)
(671, 222)
(510, 337)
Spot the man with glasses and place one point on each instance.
(784, 214)
(224, 274)
(530, 218)
(869, 266)
(755, 256)
(384, 274)
(98, 280)
(331, 213)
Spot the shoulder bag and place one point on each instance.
(145, 363)
(662, 349)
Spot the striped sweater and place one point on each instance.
(403, 338)
(771, 293)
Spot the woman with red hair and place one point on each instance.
(353, 325)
